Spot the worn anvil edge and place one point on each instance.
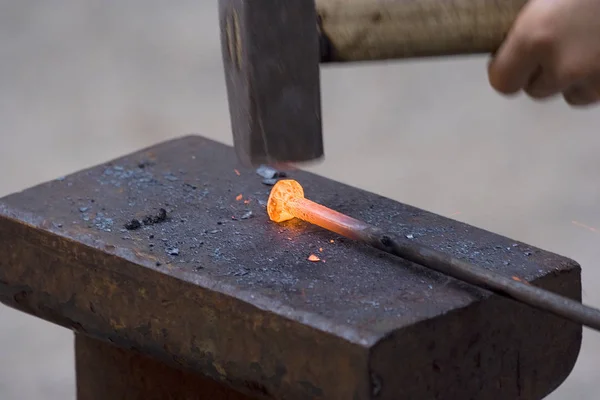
(533, 342)
(47, 301)
(251, 299)
(371, 354)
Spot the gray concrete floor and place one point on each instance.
(85, 81)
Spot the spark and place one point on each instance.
(516, 278)
(237, 172)
(239, 197)
(313, 258)
(589, 228)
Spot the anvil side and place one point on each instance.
(212, 289)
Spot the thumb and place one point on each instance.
(513, 65)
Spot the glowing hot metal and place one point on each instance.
(287, 201)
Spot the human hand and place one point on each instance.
(553, 48)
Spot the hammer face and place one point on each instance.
(271, 62)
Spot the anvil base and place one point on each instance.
(105, 371)
(166, 266)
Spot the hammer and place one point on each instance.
(272, 50)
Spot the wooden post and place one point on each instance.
(105, 371)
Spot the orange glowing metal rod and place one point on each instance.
(287, 201)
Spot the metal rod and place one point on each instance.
(290, 200)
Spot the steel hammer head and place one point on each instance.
(271, 60)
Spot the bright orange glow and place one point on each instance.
(321, 249)
(313, 258)
(239, 197)
(287, 201)
(246, 201)
(283, 193)
(516, 278)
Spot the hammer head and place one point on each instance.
(271, 60)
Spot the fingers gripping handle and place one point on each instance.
(363, 30)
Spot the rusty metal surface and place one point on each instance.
(105, 371)
(236, 299)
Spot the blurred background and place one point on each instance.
(82, 82)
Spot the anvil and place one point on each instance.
(173, 288)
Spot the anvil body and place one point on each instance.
(235, 299)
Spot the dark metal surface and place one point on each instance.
(237, 300)
(271, 60)
(408, 249)
(512, 288)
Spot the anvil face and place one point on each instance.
(157, 251)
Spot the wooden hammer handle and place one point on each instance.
(362, 30)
